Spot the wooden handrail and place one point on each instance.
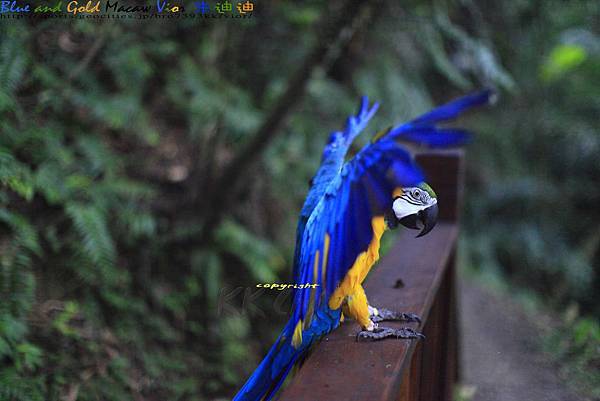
(417, 275)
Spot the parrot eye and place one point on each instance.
(417, 193)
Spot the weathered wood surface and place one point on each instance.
(339, 368)
(417, 275)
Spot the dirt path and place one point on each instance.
(500, 351)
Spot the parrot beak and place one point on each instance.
(410, 221)
(391, 221)
(428, 217)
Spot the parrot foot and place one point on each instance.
(382, 315)
(380, 333)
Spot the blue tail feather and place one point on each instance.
(272, 371)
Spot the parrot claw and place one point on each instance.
(381, 333)
(388, 315)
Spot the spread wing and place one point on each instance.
(331, 163)
(423, 130)
(339, 228)
(340, 225)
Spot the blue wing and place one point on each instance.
(332, 161)
(339, 226)
(424, 130)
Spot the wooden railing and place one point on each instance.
(417, 275)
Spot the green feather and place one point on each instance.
(424, 186)
(381, 134)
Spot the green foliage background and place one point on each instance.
(112, 135)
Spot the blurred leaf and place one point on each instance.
(586, 329)
(90, 224)
(15, 175)
(61, 322)
(260, 257)
(561, 60)
(28, 356)
(435, 47)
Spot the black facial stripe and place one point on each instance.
(409, 198)
(411, 201)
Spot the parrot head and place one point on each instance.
(414, 206)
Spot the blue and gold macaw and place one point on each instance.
(349, 206)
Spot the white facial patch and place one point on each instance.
(403, 208)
